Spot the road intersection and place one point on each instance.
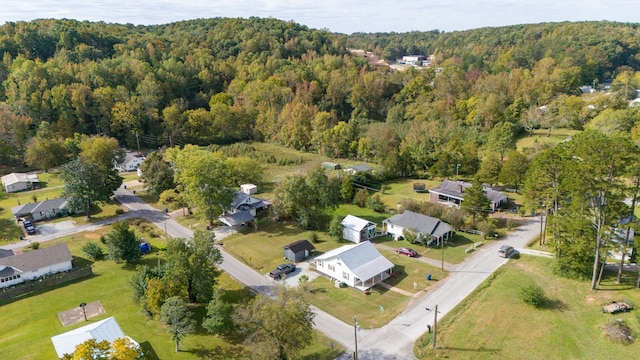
(392, 341)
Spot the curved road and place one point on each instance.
(392, 341)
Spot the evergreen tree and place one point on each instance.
(475, 201)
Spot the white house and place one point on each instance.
(15, 269)
(130, 162)
(452, 193)
(107, 329)
(429, 230)
(243, 209)
(42, 210)
(352, 170)
(360, 265)
(357, 230)
(15, 182)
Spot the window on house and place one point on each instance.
(331, 267)
(345, 275)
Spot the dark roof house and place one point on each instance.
(452, 193)
(41, 210)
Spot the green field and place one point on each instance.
(493, 323)
(32, 319)
(540, 138)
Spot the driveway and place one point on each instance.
(394, 340)
(55, 228)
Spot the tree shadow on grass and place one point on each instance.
(217, 352)
(149, 352)
(555, 304)
(398, 275)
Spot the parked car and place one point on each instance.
(506, 251)
(31, 230)
(281, 270)
(406, 251)
(27, 223)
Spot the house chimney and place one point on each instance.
(460, 188)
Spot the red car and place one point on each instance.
(406, 251)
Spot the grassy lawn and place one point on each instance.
(454, 251)
(400, 189)
(33, 324)
(540, 138)
(263, 250)
(493, 323)
(352, 302)
(408, 270)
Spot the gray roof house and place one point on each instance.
(298, 251)
(452, 193)
(41, 210)
(107, 329)
(430, 230)
(15, 269)
(15, 182)
(243, 209)
(360, 266)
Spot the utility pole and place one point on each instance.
(435, 325)
(442, 246)
(138, 141)
(457, 166)
(355, 336)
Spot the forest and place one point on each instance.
(223, 80)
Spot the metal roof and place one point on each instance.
(107, 329)
(363, 259)
(422, 223)
(356, 223)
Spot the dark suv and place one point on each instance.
(281, 270)
(28, 225)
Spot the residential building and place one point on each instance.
(130, 162)
(103, 330)
(42, 210)
(360, 266)
(429, 230)
(16, 269)
(452, 193)
(15, 182)
(243, 209)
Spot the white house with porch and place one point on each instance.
(429, 230)
(357, 230)
(16, 269)
(360, 266)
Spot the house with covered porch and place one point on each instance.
(452, 193)
(429, 230)
(360, 266)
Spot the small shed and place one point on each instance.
(330, 165)
(298, 251)
(248, 189)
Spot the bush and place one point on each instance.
(34, 245)
(361, 197)
(119, 211)
(314, 237)
(533, 295)
(93, 250)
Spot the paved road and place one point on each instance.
(392, 341)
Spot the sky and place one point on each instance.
(340, 16)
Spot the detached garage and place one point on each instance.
(298, 251)
(357, 230)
